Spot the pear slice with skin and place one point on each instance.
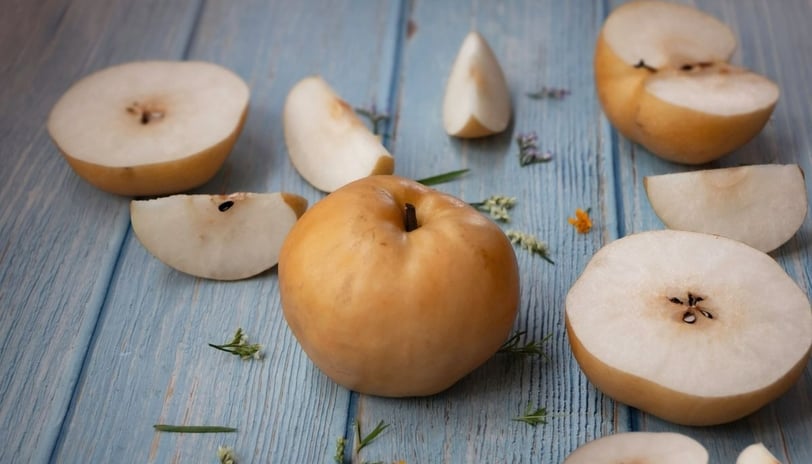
(663, 79)
(761, 205)
(222, 237)
(150, 127)
(756, 453)
(640, 448)
(477, 99)
(694, 328)
(327, 142)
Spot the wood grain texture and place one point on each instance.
(59, 237)
(99, 340)
(766, 36)
(149, 361)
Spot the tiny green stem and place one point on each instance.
(363, 441)
(193, 428)
(442, 178)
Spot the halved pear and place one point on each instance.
(694, 328)
(640, 448)
(327, 142)
(150, 127)
(222, 237)
(477, 100)
(664, 81)
(756, 453)
(762, 206)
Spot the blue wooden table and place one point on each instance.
(99, 340)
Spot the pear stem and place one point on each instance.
(410, 218)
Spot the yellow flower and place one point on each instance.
(581, 221)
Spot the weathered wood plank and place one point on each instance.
(149, 361)
(538, 44)
(59, 237)
(771, 43)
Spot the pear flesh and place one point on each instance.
(694, 328)
(664, 81)
(222, 237)
(762, 205)
(756, 453)
(477, 100)
(150, 127)
(327, 142)
(640, 448)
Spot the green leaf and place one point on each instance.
(193, 428)
(442, 178)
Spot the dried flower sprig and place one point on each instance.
(341, 443)
(529, 152)
(551, 93)
(513, 347)
(533, 417)
(582, 222)
(374, 117)
(497, 207)
(226, 455)
(239, 346)
(530, 243)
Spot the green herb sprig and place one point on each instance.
(193, 428)
(532, 416)
(239, 346)
(363, 441)
(529, 152)
(442, 178)
(514, 347)
(374, 117)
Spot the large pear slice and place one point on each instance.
(663, 79)
(477, 100)
(640, 448)
(694, 328)
(150, 127)
(762, 206)
(223, 237)
(327, 143)
(756, 454)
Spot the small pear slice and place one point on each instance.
(222, 237)
(756, 453)
(327, 142)
(640, 448)
(477, 100)
(762, 205)
(149, 128)
(664, 81)
(694, 328)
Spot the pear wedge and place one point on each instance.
(640, 448)
(756, 453)
(221, 237)
(694, 328)
(762, 205)
(477, 99)
(327, 142)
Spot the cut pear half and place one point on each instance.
(150, 127)
(477, 99)
(222, 237)
(327, 142)
(694, 328)
(756, 453)
(640, 448)
(664, 81)
(762, 205)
